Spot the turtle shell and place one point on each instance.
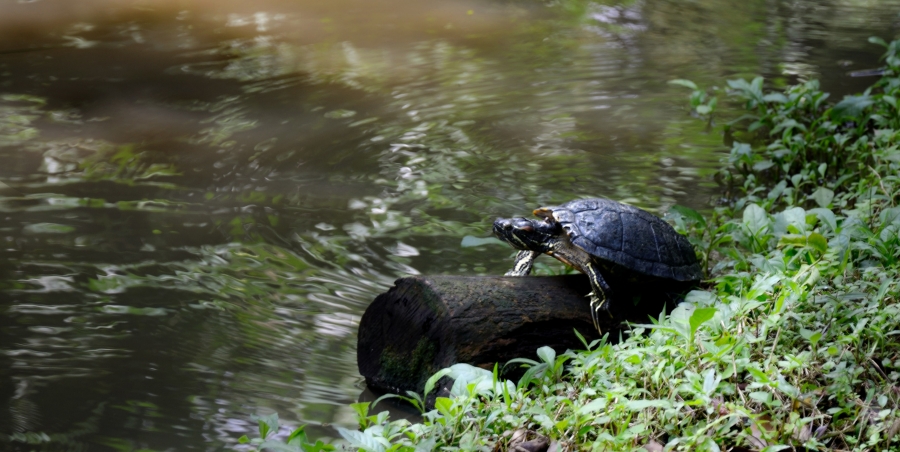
(628, 237)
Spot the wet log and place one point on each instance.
(426, 323)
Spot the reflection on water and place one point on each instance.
(200, 199)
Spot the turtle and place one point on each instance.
(606, 240)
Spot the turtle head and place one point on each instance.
(525, 234)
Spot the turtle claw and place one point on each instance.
(598, 305)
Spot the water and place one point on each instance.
(200, 198)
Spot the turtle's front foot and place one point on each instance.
(597, 305)
(524, 262)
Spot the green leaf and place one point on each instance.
(362, 410)
(361, 440)
(690, 214)
(709, 445)
(267, 424)
(697, 98)
(811, 336)
(741, 151)
(547, 354)
(792, 239)
(877, 40)
(775, 97)
(808, 275)
(581, 339)
(526, 361)
(426, 445)
(414, 398)
(507, 399)
(298, 437)
(278, 446)
(760, 375)
(390, 396)
(700, 316)
(750, 91)
(464, 375)
(850, 108)
(788, 125)
(429, 385)
(792, 218)
(467, 442)
(444, 405)
(890, 216)
(243, 439)
(755, 218)
(823, 196)
(684, 83)
(710, 381)
(319, 446)
(817, 242)
(637, 405)
(593, 406)
(826, 216)
(472, 241)
(529, 375)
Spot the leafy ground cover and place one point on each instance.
(794, 343)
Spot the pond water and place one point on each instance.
(200, 198)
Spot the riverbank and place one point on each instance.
(795, 339)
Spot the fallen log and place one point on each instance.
(426, 323)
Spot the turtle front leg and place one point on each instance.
(524, 262)
(600, 294)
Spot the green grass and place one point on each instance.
(794, 343)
